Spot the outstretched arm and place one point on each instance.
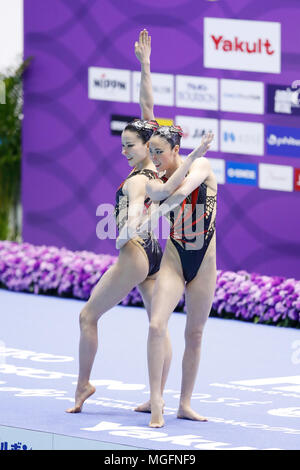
(142, 50)
(198, 174)
(159, 192)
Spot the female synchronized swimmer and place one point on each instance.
(138, 261)
(189, 260)
(188, 264)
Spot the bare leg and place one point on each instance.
(169, 279)
(146, 289)
(113, 286)
(199, 297)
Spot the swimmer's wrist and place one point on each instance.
(194, 155)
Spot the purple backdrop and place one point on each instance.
(72, 163)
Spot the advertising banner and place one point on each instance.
(230, 67)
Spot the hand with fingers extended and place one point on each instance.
(203, 147)
(120, 243)
(142, 47)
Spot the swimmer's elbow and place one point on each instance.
(157, 192)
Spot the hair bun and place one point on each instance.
(141, 124)
(177, 129)
(154, 124)
(173, 134)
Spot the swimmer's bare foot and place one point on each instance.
(157, 420)
(146, 407)
(187, 413)
(82, 393)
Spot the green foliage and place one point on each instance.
(10, 151)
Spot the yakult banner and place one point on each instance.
(226, 66)
(253, 46)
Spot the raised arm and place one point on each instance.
(142, 50)
(159, 192)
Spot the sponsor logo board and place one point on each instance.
(248, 45)
(297, 179)
(276, 177)
(109, 84)
(196, 92)
(283, 141)
(241, 173)
(283, 99)
(118, 122)
(164, 121)
(242, 96)
(194, 128)
(242, 137)
(162, 86)
(218, 167)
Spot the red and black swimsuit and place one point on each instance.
(148, 241)
(192, 228)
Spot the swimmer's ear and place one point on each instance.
(176, 148)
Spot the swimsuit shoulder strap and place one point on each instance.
(151, 174)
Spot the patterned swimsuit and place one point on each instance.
(148, 244)
(192, 228)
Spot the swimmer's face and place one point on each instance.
(133, 147)
(161, 153)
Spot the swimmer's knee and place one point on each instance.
(157, 328)
(193, 337)
(87, 317)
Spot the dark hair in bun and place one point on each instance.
(172, 134)
(143, 128)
